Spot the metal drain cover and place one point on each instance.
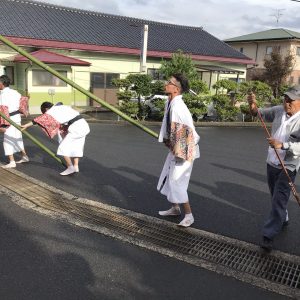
(278, 272)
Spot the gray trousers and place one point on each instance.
(280, 193)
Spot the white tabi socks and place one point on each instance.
(187, 221)
(68, 171)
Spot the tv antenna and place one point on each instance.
(278, 14)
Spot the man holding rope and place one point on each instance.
(285, 138)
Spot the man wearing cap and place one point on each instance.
(286, 140)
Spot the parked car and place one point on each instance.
(211, 113)
(135, 99)
(153, 106)
(149, 101)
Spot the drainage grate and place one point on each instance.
(278, 272)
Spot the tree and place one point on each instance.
(225, 84)
(134, 86)
(124, 94)
(140, 84)
(278, 67)
(123, 84)
(196, 105)
(262, 91)
(225, 110)
(263, 94)
(183, 64)
(158, 108)
(158, 87)
(199, 87)
(179, 63)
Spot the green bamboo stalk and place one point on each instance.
(32, 138)
(77, 87)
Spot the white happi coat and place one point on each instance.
(175, 176)
(13, 141)
(72, 144)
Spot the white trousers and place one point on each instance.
(73, 143)
(12, 141)
(174, 179)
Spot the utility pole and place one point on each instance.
(144, 49)
(143, 46)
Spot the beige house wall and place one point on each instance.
(293, 49)
(249, 49)
(257, 51)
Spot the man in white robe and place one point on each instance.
(179, 135)
(12, 141)
(74, 129)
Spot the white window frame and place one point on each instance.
(55, 79)
(269, 50)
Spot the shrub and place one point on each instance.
(199, 86)
(196, 105)
(225, 84)
(158, 108)
(124, 95)
(225, 110)
(129, 108)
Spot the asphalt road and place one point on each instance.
(228, 190)
(228, 193)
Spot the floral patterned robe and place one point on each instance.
(179, 134)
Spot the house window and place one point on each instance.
(291, 80)
(269, 49)
(10, 72)
(298, 80)
(242, 50)
(109, 78)
(44, 78)
(98, 80)
(155, 74)
(298, 51)
(236, 79)
(104, 80)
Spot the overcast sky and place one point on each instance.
(222, 18)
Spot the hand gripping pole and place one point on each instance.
(291, 184)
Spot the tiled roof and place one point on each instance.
(40, 21)
(51, 58)
(272, 34)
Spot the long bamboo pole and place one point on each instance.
(291, 184)
(33, 139)
(77, 87)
